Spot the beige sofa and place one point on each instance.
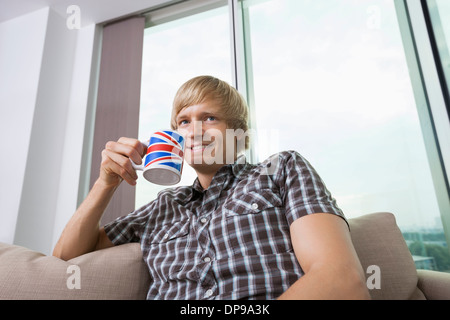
(120, 273)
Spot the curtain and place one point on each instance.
(118, 98)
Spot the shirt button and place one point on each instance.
(203, 220)
(207, 259)
(255, 206)
(166, 236)
(208, 293)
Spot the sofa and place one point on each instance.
(120, 273)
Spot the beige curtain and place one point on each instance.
(118, 98)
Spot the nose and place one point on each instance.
(193, 132)
(194, 129)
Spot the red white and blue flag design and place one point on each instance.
(165, 149)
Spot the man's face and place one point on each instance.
(204, 128)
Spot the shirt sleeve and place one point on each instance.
(129, 228)
(304, 192)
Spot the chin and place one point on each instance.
(201, 161)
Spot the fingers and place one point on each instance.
(116, 164)
(124, 151)
(134, 143)
(116, 160)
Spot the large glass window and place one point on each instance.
(175, 52)
(330, 78)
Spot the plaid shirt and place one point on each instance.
(232, 240)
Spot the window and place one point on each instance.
(337, 76)
(330, 79)
(174, 52)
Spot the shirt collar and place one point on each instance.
(238, 168)
(241, 166)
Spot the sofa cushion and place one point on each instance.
(120, 273)
(114, 273)
(379, 242)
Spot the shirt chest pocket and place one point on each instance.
(252, 202)
(255, 224)
(169, 232)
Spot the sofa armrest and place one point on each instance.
(435, 285)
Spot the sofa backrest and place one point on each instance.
(385, 257)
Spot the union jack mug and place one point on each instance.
(163, 162)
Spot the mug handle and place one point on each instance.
(137, 166)
(140, 166)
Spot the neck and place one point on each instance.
(205, 175)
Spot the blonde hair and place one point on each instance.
(203, 88)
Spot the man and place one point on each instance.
(241, 231)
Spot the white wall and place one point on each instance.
(21, 50)
(37, 210)
(77, 146)
(45, 82)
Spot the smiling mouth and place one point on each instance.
(201, 148)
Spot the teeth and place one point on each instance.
(200, 147)
(197, 148)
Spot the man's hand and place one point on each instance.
(116, 165)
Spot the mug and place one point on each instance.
(163, 162)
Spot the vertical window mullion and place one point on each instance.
(241, 65)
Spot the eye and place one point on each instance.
(182, 122)
(211, 118)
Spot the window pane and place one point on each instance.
(175, 52)
(440, 19)
(330, 80)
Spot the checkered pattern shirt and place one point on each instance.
(232, 240)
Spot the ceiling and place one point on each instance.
(91, 11)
